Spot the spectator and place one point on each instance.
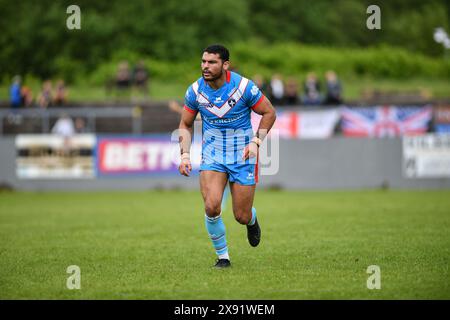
(175, 107)
(291, 93)
(334, 89)
(60, 94)
(312, 94)
(15, 96)
(276, 89)
(80, 126)
(64, 126)
(45, 97)
(141, 77)
(178, 108)
(27, 96)
(123, 76)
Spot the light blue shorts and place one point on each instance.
(243, 173)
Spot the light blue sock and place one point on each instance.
(216, 232)
(253, 219)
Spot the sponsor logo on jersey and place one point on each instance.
(232, 102)
(225, 120)
(254, 90)
(205, 105)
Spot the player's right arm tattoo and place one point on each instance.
(185, 132)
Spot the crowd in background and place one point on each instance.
(127, 78)
(21, 95)
(289, 91)
(66, 126)
(280, 91)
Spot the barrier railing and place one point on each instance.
(90, 114)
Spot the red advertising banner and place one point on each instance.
(143, 155)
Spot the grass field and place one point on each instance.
(153, 245)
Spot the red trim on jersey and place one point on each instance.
(256, 168)
(189, 109)
(258, 102)
(228, 76)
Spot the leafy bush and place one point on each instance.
(296, 59)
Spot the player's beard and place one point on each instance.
(213, 77)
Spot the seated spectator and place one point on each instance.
(141, 77)
(15, 96)
(27, 96)
(65, 128)
(291, 93)
(60, 93)
(312, 94)
(45, 97)
(259, 81)
(276, 89)
(334, 89)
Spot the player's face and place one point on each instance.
(212, 66)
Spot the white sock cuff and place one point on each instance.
(224, 256)
(212, 219)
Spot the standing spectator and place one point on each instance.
(45, 97)
(312, 94)
(15, 99)
(334, 89)
(27, 96)
(141, 77)
(291, 93)
(276, 89)
(60, 93)
(123, 76)
(15, 96)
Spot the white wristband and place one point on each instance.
(185, 155)
(257, 140)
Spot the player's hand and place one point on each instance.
(185, 167)
(175, 106)
(250, 151)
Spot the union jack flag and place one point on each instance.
(382, 121)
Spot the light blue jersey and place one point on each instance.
(225, 114)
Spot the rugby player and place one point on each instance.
(225, 101)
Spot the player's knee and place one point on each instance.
(212, 210)
(241, 217)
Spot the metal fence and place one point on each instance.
(91, 114)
